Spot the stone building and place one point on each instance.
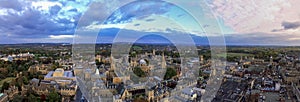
(11, 92)
(59, 75)
(43, 68)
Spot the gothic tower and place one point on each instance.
(163, 61)
(112, 63)
(201, 59)
(150, 96)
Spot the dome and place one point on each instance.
(142, 61)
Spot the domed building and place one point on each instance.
(143, 62)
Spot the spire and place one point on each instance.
(97, 71)
(163, 61)
(112, 63)
(241, 60)
(201, 59)
(111, 58)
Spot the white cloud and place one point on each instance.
(3, 12)
(60, 36)
(45, 5)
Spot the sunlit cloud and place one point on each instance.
(45, 5)
(256, 15)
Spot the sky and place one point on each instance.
(239, 22)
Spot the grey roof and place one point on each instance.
(188, 91)
(68, 74)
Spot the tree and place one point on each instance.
(132, 54)
(139, 72)
(54, 97)
(97, 62)
(53, 67)
(3, 73)
(32, 98)
(170, 73)
(17, 98)
(41, 77)
(25, 80)
(200, 72)
(5, 86)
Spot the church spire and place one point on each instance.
(163, 61)
(97, 71)
(112, 63)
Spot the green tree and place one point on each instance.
(97, 62)
(170, 73)
(200, 72)
(139, 72)
(32, 98)
(17, 98)
(54, 97)
(133, 54)
(25, 80)
(5, 86)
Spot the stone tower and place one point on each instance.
(112, 63)
(241, 59)
(151, 96)
(153, 52)
(163, 61)
(201, 59)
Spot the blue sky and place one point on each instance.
(252, 22)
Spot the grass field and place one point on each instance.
(234, 54)
(9, 79)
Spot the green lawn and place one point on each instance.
(9, 79)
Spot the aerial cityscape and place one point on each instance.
(45, 72)
(149, 51)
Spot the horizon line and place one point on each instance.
(160, 44)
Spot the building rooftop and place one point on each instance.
(188, 91)
(68, 74)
